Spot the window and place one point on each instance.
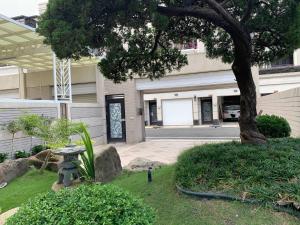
(193, 44)
(286, 61)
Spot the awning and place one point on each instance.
(21, 46)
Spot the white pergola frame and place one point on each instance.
(21, 46)
(62, 78)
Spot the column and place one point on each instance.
(22, 85)
(159, 112)
(215, 107)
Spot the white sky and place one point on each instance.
(13, 8)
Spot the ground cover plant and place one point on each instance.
(269, 173)
(88, 205)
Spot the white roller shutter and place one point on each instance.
(177, 112)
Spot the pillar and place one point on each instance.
(22, 85)
(215, 107)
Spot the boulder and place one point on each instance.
(38, 160)
(142, 164)
(107, 164)
(11, 169)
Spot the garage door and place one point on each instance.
(177, 112)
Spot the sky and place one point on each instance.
(13, 8)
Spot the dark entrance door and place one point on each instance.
(206, 111)
(115, 117)
(153, 112)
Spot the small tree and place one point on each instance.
(13, 127)
(138, 36)
(29, 124)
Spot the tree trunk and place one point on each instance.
(242, 71)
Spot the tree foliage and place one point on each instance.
(139, 37)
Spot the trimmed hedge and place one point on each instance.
(85, 205)
(269, 173)
(273, 126)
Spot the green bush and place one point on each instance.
(3, 157)
(268, 172)
(273, 126)
(38, 148)
(86, 205)
(21, 154)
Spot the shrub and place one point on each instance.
(3, 157)
(38, 148)
(21, 154)
(269, 173)
(273, 126)
(87, 204)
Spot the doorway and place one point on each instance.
(206, 111)
(115, 118)
(153, 112)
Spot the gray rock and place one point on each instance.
(11, 169)
(107, 164)
(39, 159)
(142, 164)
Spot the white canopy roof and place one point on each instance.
(21, 46)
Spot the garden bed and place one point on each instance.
(171, 207)
(268, 174)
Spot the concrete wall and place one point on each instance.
(135, 130)
(285, 104)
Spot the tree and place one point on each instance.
(13, 127)
(138, 37)
(28, 124)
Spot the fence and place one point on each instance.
(93, 116)
(12, 109)
(285, 104)
(89, 113)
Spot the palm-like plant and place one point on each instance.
(87, 170)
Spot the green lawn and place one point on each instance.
(175, 209)
(25, 187)
(172, 208)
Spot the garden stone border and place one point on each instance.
(6, 215)
(225, 197)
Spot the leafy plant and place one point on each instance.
(87, 204)
(273, 126)
(38, 148)
(29, 124)
(54, 132)
(88, 169)
(22, 154)
(3, 157)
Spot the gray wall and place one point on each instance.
(10, 111)
(285, 104)
(93, 115)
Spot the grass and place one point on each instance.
(175, 209)
(25, 187)
(268, 173)
(171, 207)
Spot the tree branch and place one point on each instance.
(156, 42)
(249, 9)
(201, 13)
